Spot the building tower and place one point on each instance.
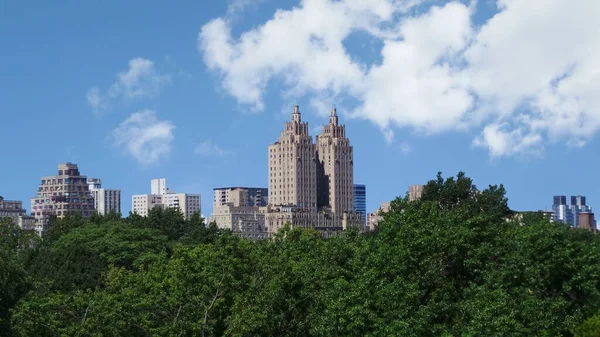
(58, 195)
(360, 200)
(336, 167)
(106, 201)
(292, 166)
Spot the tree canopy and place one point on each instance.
(454, 263)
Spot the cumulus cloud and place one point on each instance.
(144, 137)
(140, 80)
(524, 77)
(209, 148)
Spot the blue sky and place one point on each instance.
(133, 90)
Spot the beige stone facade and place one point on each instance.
(58, 195)
(245, 221)
(415, 192)
(374, 218)
(312, 185)
(241, 196)
(293, 167)
(336, 181)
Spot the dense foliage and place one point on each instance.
(457, 262)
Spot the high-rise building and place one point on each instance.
(415, 192)
(188, 204)
(293, 167)
(360, 200)
(58, 195)
(560, 209)
(105, 200)
(255, 196)
(312, 185)
(141, 204)
(577, 207)
(335, 176)
(569, 214)
(158, 186)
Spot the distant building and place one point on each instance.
(239, 214)
(586, 220)
(143, 203)
(360, 200)
(569, 214)
(578, 206)
(14, 210)
(374, 218)
(61, 194)
(188, 204)
(518, 215)
(254, 196)
(11, 209)
(105, 200)
(415, 192)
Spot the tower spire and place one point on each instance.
(333, 118)
(296, 113)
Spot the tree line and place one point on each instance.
(454, 263)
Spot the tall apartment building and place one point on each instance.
(578, 206)
(106, 201)
(360, 200)
(162, 196)
(255, 196)
(569, 214)
(58, 195)
(336, 167)
(293, 166)
(312, 185)
(415, 192)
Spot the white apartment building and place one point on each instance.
(106, 201)
(143, 203)
(162, 196)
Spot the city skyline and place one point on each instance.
(129, 105)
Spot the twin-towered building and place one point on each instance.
(311, 184)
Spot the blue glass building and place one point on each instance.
(360, 200)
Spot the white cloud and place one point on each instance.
(502, 142)
(405, 148)
(209, 148)
(525, 77)
(141, 80)
(144, 137)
